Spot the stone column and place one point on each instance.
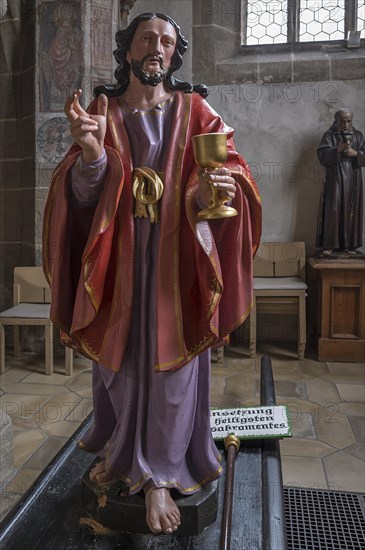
(48, 48)
(74, 45)
(216, 35)
(17, 176)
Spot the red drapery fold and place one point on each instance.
(204, 279)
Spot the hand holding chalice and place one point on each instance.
(210, 152)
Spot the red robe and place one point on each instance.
(204, 277)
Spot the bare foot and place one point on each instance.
(162, 513)
(327, 252)
(100, 475)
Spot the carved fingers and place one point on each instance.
(86, 129)
(222, 181)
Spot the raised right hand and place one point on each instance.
(86, 129)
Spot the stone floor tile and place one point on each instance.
(291, 376)
(358, 426)
(357, 450)
(219, 401)
(238, 387)
(217, 384)
(352, 409)
(81, 411)
(287, 390)
(298, 407)
(232, 367)
(54, 379)
(322, 392)
(57, 408)
(344, 378)
(353, 393)
(34, 389)
(292, 446)
(280, 366)
(79, 365)
(19, 404)
(22, 481)
(338, 368)
(344, 472)
(303, 472)
(64, 428)
(23, 423)
(334, 430)
(13, 375)
(304, 427)
(238, 362)
(300, 454)
(80, 381)
(222, 370)
(26, 442)
(45, 453)
(313, 368)
(7, 502)
(85, 394)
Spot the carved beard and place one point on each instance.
(145, 77)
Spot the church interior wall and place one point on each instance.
(279, 117)
(278, 127)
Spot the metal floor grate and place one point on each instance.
(324, 520)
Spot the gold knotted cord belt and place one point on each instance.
(147, 190)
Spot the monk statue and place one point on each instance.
(342, 153)
(140, 285)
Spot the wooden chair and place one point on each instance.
(31, 306)
(279, 287)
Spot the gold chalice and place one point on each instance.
(211, 151)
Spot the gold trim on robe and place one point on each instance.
(204, 269)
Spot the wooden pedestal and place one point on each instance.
(336, 307)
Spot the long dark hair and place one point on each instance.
(124, 39)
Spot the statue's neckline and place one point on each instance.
(160, 106)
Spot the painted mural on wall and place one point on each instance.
(61, 57)
(102, 37)
(54, 140)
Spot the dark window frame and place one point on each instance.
(293, 23)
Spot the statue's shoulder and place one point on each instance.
(358, 133)
(200, 104)
(197, 99)
(329, 135)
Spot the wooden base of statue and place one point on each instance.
(336, 307)
(114, 509)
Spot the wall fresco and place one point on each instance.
(61, 53)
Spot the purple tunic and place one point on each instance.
(149, 425)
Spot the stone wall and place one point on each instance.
(74, 50)
(48, 48)
(17, 142)
(278, 129)
(279, 103)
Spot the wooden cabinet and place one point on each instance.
(336, 308)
